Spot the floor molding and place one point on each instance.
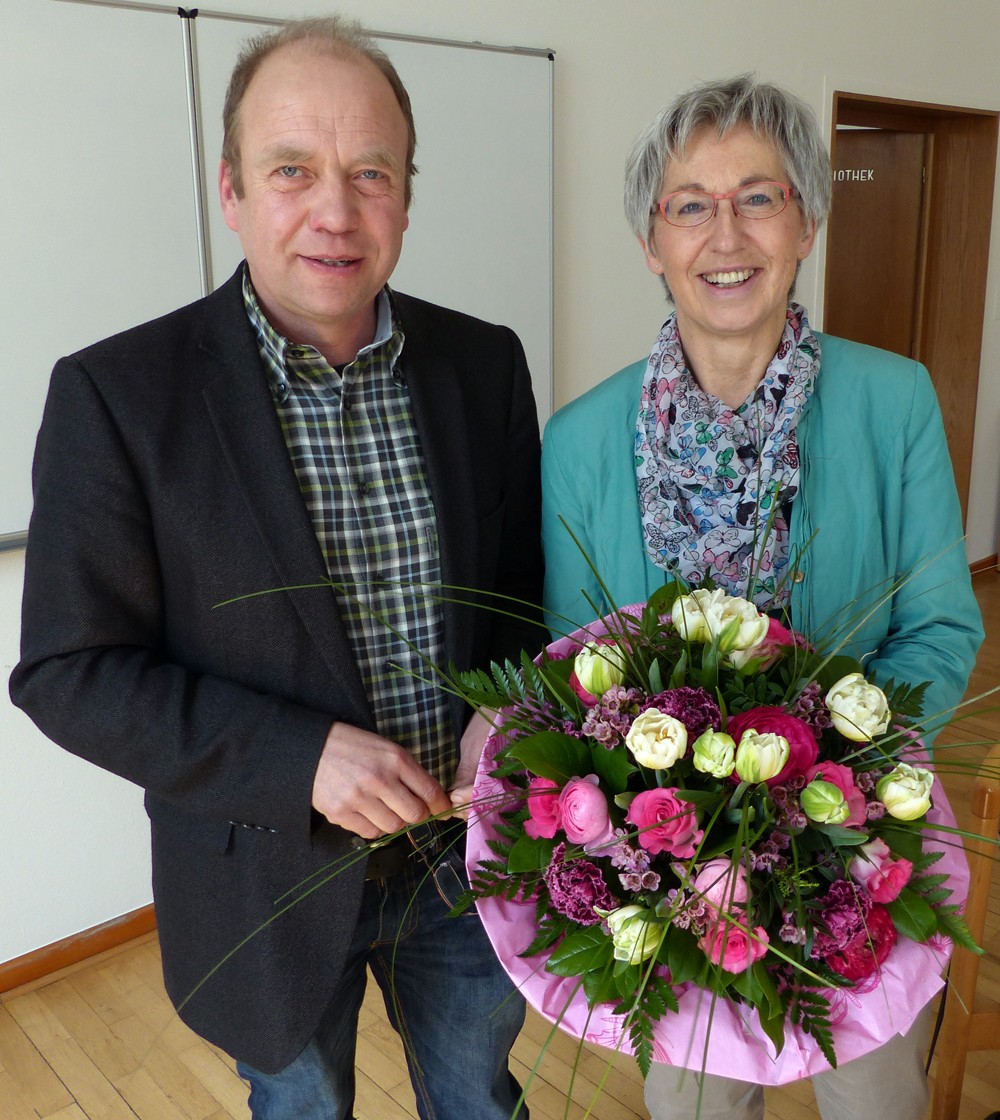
(42, 963)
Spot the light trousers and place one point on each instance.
(887, 1084)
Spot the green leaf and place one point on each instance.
(748, 986)
(550, 754)
(581, 952)
(529, 854)
(928, 883)
(912, 916)
(627, 978)
(704, 799)
(612, 767)
(838, 666)
(600, 986)
(903, 842)
(683, 957)
(661, 602)
(679, 675)
(773, 1025)
(952, 923)
(839, 836)
(555, 676)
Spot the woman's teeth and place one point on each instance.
(725, 279)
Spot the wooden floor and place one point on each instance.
(100, 1042)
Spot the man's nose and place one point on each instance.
(333, 205)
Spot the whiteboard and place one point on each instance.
(97, 227)
(108, 200)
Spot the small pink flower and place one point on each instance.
(882, 876)
(664, 823)
(543, 809)
(843, 778)
(731, 945)
(718, 887)
(583, 812)
(802, 744)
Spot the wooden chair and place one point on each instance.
(970, 1024)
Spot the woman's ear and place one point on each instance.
(652, 260)
(808, 238)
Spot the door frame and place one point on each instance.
(959, 211)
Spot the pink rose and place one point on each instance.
(718, 886)
(843, 778)
(803, 748)
(778, 635)
(543, 809)
(731, 945)
(767, 652)
(664, 823)
(583, 812)
(881, 875)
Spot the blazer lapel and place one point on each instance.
(237, 397)
(435, 392)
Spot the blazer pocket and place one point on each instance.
(174, 826)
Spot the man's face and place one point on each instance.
(322, 145)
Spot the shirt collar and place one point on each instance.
(284, 359)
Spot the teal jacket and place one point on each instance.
(882, 570)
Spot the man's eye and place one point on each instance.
(372, 174)
(288, 172)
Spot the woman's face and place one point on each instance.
(729, 277)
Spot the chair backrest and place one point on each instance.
(967, 1026)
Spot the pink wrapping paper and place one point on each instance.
(709, 1033)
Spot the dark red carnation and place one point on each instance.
(868, 949)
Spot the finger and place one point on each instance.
(461, 800)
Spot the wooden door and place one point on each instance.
(875, 245)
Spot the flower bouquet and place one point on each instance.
(691, 829)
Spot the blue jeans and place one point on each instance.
(445, 994)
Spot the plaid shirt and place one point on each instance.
(356, 453)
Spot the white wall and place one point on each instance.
(71, 840)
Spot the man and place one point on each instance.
(300, 424)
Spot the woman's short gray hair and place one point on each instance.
(771, 112)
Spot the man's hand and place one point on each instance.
(371, 786)
(471, 749)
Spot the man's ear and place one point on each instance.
(227, 196)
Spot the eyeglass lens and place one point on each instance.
(756, 200)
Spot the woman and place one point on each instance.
(806, 472)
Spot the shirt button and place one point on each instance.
(358, 842)
(363, 488)
(799, 576)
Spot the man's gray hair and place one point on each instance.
(771, 112)
(332, 35)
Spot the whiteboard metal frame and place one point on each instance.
(274, 21)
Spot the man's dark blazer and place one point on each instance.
(163, 488)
